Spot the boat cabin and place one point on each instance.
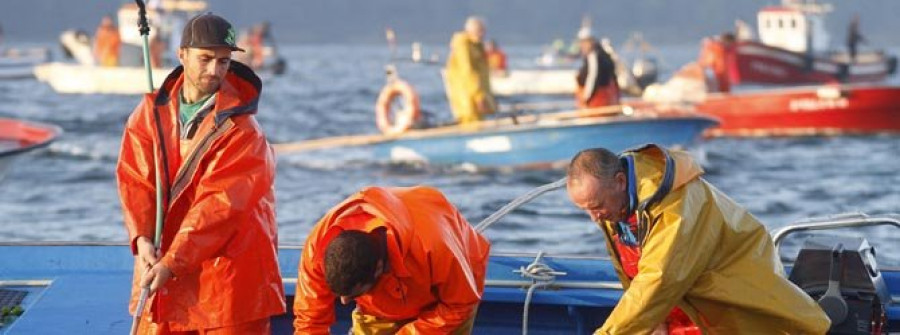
(796, 25)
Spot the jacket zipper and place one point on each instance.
(189, 169)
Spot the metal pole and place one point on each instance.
(144, 28)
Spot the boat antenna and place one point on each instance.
(144, 28)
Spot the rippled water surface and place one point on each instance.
(68, 192)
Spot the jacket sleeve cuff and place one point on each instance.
(134, 250)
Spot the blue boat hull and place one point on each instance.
(84, 289)
(544, 143)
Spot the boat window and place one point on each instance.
(793, 23)
(780, 23)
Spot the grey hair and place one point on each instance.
(473, 20)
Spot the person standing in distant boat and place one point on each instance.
(467, 75)
(596, 79)
(107, 43)
(496, 57)
(691, 260)
(854, 37)
(217, 268)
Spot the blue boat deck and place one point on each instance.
(84, 289)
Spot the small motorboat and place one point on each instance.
(70, 78)
(85, 76)
(18, 138)
(537, 140)
(632, 79)
(534, 82)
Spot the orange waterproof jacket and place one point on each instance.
(219, 236)
(436, 262)
(106, 45)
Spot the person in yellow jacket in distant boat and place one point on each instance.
(691, 260)
(468, 84)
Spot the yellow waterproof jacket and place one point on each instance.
(704, 253)
(467, 80)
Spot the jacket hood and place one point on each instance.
(238, 94)
(661, 171)
(383, 205)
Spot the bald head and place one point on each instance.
(475, 28)
(599, 163)
(597, 184)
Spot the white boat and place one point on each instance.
(90, 79)
(534, 82)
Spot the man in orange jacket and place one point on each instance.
(217, 269)
(406, 255)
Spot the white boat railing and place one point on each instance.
(838, 221)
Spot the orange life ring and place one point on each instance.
(403, 118)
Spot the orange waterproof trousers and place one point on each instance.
(261, 326)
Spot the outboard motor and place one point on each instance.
(841, 274)
(645, 71)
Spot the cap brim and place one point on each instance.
(233, 48)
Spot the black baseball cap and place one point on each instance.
(208, 31)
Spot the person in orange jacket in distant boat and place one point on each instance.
(406, 255)
(691, 260)
(217, 270)
(107, 42)
(495, 56)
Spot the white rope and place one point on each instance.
(484, 224)
(541, 275)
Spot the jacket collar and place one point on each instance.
(238, 93)
(392, 214)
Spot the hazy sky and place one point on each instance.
(431, 21)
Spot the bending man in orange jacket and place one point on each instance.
(217, 270)
(406, 255)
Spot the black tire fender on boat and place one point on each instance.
(405, 117)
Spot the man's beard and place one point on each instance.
(206, 84)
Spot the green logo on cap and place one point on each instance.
(230, 38)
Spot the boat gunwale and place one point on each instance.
(53, 133)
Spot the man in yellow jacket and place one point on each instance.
(468, 84)
(682, 247)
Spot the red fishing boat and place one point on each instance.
(18, 138)
(805, 111)
(794, 48)
(832, 109)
